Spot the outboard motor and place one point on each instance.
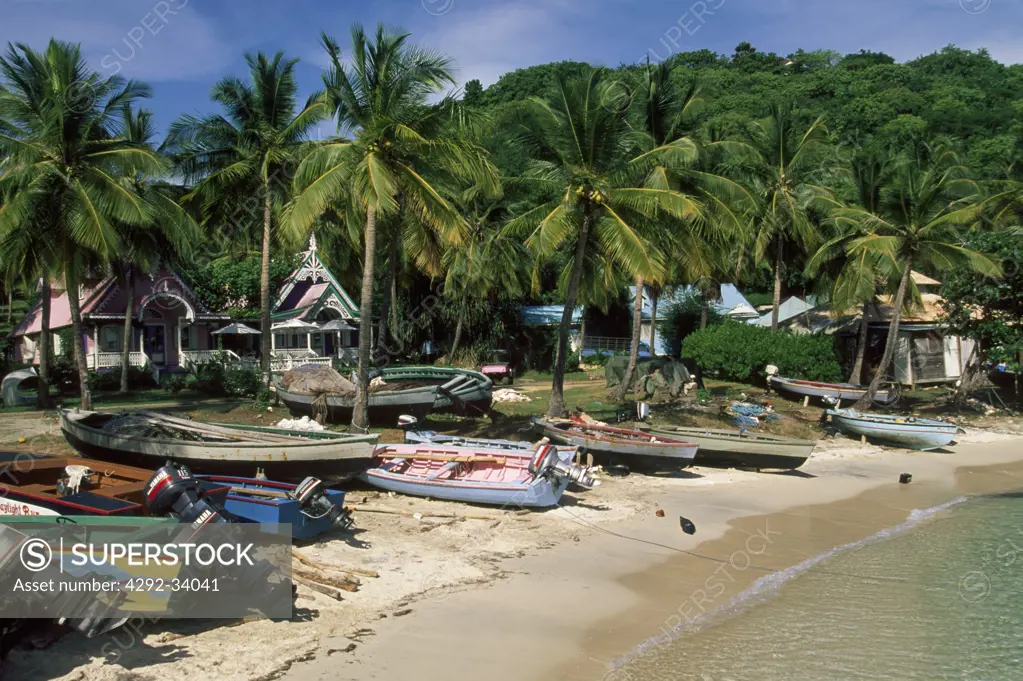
(315, 504)
(547, 460)
(173, 491)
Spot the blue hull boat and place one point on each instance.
(308, 508)
(419, 437)
(500, 477)
(904, 431)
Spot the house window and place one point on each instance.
(189, 338)
(281, 340)
(317, 340)
(294, 341)
(110, 338)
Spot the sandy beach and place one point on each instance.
(580, 587)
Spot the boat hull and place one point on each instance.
(738, 449)
(460, 391)
(531, 491)
(324, 459)
(262, 509)
(607, 448)
(838, 391)
(384, 409)
(923, 435)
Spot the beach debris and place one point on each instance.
(304, 423)
(687, 525)
(750, 415)
(377, 382)
(659, 513)
(617, 470)
(905, 478)
(510, 395)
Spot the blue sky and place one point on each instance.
(181, 47)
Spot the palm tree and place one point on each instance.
(920, 208)
(381, 163)
(252, 149)
(777, 161)
(854, 283)
(594, 194)
(63, 156)
(169, 236)
(485, 261)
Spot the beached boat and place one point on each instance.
(36, 485)
(632, 447)
(519, 478)
(904, 431)
(149, 440)
(309, 508)
(385, 406)
(462, 391)
(417, 437)
(741, 448)
(396, 391)
(836, 391)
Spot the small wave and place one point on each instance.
(769, 584)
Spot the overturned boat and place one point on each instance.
(903, 431)
(149, 439)
(834, 391)
(741, 448)
(632, 447)
(393, 391)
(512, 477)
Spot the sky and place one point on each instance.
(181, 47)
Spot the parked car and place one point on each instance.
(498, 368)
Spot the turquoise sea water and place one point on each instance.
(939, 597)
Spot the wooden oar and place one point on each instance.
(200, 427)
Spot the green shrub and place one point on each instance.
(740, 352)
(139, 378)
(218, 377)
(683, 318)
(64, 375)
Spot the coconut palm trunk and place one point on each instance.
(129, 288)
(360, 415)
(74, 303)
(776, 303)
(893, 338)
(861, 348)
(582, 332)
(264, 292)
(653, 323)
(557, 403)
(458, 327)
(388, 325)
(43, 396)
(637, 328)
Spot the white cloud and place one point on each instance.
(151, 40)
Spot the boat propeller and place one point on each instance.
(315, 504)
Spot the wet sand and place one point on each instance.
(580, 607)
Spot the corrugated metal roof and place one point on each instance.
(548, 315)
(732, 302)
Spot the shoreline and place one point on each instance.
(460, 599)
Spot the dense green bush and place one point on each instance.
(109, 380)
(218, 377)
(683, 318)
(738, 351)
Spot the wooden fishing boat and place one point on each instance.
(740, 448)
(462, 391)
(149, 439)
(519, 478)
(836, 391)
(418, 437)
(36, 485)
(385, 406)
(905, 431)
(270, 501)
(632, 447)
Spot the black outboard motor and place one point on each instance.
(173, 491)
(315, 504)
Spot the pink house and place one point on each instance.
(171, 326)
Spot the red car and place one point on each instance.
(498, 368)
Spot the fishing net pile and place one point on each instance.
(317, 380)
(672, 372)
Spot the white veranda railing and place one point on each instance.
(110, 360)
